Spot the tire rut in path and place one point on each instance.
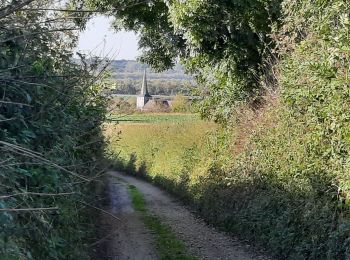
(201, 240)
(127, 238)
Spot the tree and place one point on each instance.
(180, 104)
(222, 43)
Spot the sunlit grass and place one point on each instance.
(162, 146)
(153, 118)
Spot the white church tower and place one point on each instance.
(144, 96)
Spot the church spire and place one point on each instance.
(144, 90)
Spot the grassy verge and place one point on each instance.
(168, 245)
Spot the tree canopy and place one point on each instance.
(222, 43)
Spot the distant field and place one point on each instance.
(153, 118)
(162, 142)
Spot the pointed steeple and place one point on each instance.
(144, 90)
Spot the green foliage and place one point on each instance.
(122, 105)
(225, 44)
(180, 104)
(160, 44)
(50, 112)
(222, 43)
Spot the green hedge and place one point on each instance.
(50, 112)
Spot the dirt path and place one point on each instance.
(201, 240)
(125, 237)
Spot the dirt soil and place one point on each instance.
(123, 234)
(128, 238)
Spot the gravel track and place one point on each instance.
(201, 240)
(125, 238)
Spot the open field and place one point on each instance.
(153, 118)
(163, 140)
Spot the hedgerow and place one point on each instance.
(50, 141)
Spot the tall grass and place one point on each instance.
(159, 148)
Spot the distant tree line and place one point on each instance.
(126, 77)
(155, 87)
(132, 66)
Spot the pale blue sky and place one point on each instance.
(100, 40)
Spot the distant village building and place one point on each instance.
(146, 102)
(144, 96)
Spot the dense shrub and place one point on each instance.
(180, 104)
(50, 141)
